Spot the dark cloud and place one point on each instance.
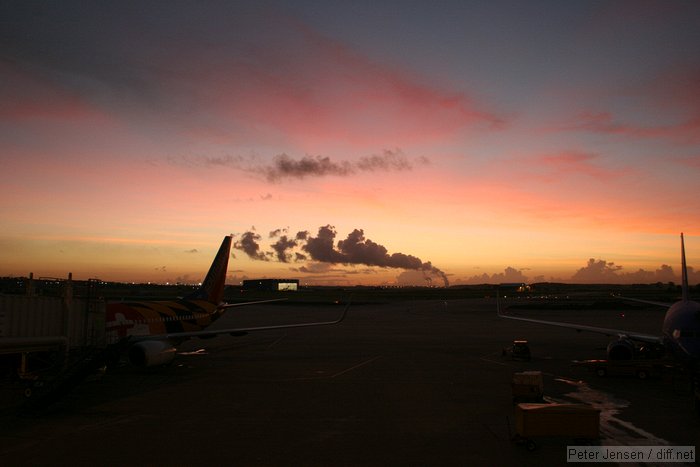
(224, 161)
(277, 232)
(389, 160)
(603, 272)
(249, 245)
(321, 248)
(281, 247)
(355, 249)
(316, 268)
(193, 250)
(284, 166)
(184, 279)
(597, 271)
(509, 275)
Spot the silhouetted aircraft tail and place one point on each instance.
(212, 289)
(684, 272)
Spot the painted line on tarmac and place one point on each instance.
(277, 341)
(613, 430)
(359, 365)
(493, 361)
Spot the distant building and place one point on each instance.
(271, 284)
(515, 286)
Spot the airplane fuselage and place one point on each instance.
(158, 317)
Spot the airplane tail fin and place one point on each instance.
(684, 271)
(212, 289)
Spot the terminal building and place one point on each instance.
(271, 284)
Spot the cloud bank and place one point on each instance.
(353, 250)
(596, 271)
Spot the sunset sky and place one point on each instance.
(351, 142)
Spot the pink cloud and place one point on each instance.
(575, 162)
(311, 90)
(675, 93)
(27, 96)
(690, 161)
(566, 166)
(273, 82)
(685, 132)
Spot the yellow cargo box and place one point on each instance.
(567, 420)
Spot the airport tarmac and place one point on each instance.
(405, 383)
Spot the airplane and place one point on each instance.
(680, 332)
(151, 330)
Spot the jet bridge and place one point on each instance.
(39, 332)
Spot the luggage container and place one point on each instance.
(580, 422)
(527, 386)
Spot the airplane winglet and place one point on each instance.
(345, 311)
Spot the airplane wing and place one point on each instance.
(648, 302)
(231, 305)
(582, 327)
(215, 332)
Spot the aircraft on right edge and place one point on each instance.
(680, 333)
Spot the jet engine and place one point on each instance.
(621, 349)
(151, 353)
